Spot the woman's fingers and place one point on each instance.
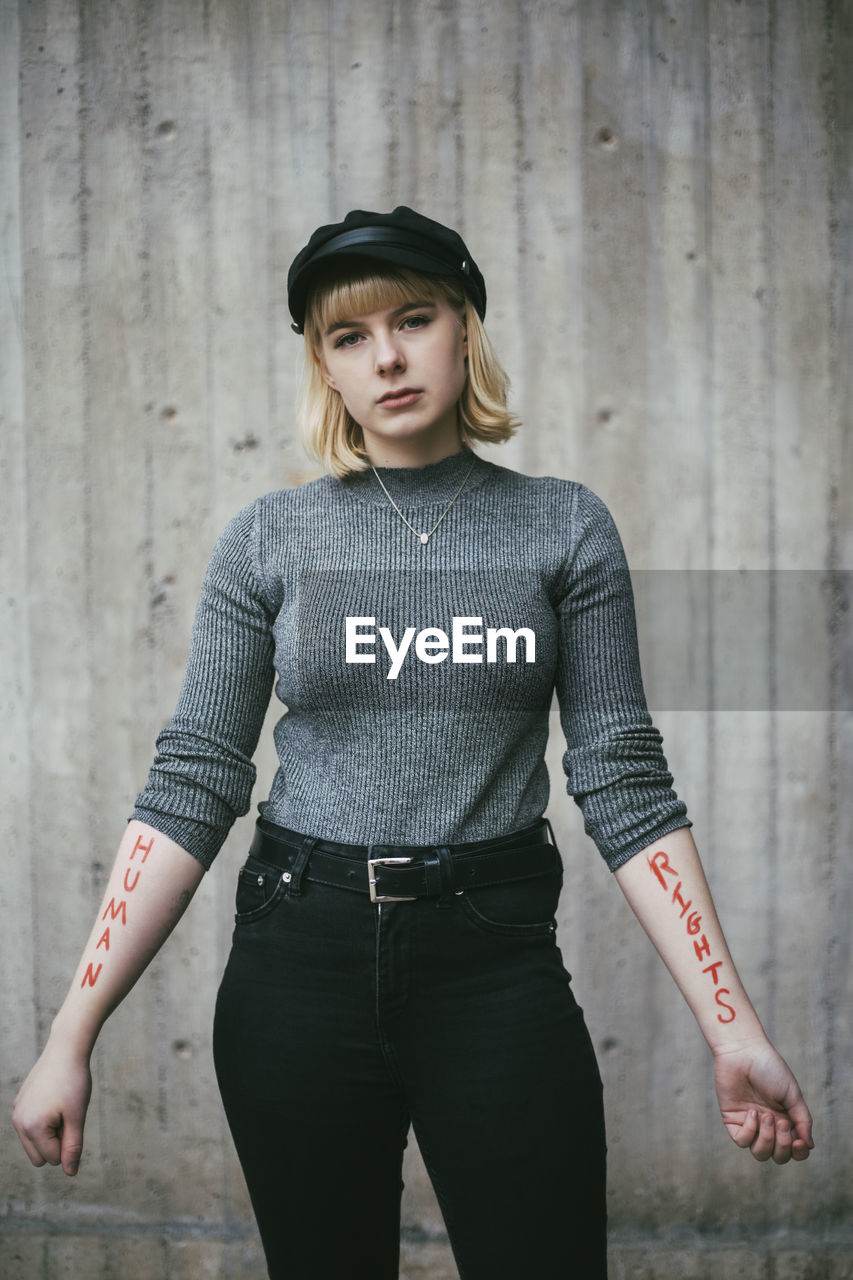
(801, 1120)
(39, 1140)
(769, 1136)
(744, 1135)
(52, 1142)
(784, 1141)
(72, 1144)
(774, 1140)
(765, 1141)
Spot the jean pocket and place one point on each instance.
(260, 888)
(521, 908)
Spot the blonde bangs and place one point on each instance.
(345, 296)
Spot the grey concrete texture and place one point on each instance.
(659, 196)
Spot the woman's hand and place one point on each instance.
(761, 1103)
(50, 1109)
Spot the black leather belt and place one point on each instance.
(399, 873)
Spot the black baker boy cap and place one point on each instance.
(404, 238)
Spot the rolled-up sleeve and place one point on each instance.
(614, 762)
(202, 775)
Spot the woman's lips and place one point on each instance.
(399, 399)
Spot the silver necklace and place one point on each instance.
(425, 537)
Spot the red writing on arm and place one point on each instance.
(702, 948)
(144, 849)
(676, 897)
(116, 911)
(129, 888)
(660, 866)
(724, 991)
(91, 976)
(659, 863)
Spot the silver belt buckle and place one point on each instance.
(371, 878)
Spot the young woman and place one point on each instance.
(394, 958)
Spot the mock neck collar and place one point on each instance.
(435, 482)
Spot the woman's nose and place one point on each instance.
(389, 354)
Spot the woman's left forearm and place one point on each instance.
(761, 1104)
(667, 890)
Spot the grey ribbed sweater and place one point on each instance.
(445, 742)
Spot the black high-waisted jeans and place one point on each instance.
(339, 1022)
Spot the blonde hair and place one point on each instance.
(329, 432)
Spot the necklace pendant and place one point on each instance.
(424, 537)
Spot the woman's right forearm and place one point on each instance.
(151, 884)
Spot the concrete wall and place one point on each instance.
(659, 195)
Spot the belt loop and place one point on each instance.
(448, 878)
(438, 874)
(433, 874)
(297, 870)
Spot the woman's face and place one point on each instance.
(400, 373)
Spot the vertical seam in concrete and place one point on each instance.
(651, 191)
(147, 357)
(25, 675)
(770, 336)
(393, 103)
(707, 377)
(583, 395)
(83, 120)
(521, 79)
(272, 274)
(458, 139)
(332, 115)
(706, 304)
(828, 1002)
(209, 276)
(12, 32)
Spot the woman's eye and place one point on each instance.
(415, 322)
(347, 340)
